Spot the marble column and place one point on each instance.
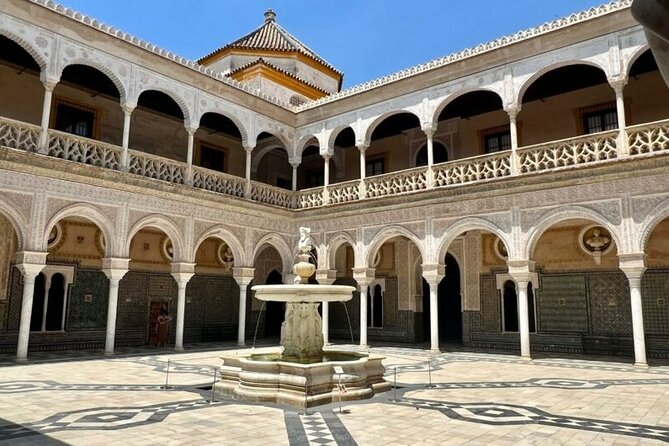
(618, 86)
(30, 264)
(189, 154)
(43, 145)
(363, 276)
(634, 266)
(433, 274)
(247, 173)
(326, 177)
(182, 273)
(47, 286)
(429, 134)
(114, 269)
(513, 132)
(127, 115)
(363, 170)
(243, 276)
(522, 273)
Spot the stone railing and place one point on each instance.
(648, 138)
(344, 192)
(310, 198)
(480, 168)
(157, 167)
(264, 193)
(19, 135)
(410, 180)
(84, 150)
(569, 152)
(218, 182)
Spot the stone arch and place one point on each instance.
(379, 119)
(175, 97)
(655, 217)
(563, 63)
(333, 246)
(120, 86)
(258, 155)
(231, 116)
(453, 96)
(34, 53)
(18, 222)
(89, 212)
(282, 139)
(164, 224)
(280, 245)
(302, 144)
(222, 233)
(554, 216)
(464, 225)
(337, 130)
(633, 58)
(386, 234)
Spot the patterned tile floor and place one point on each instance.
(454, 397)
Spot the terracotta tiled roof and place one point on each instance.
(261, 61)
(270, 36)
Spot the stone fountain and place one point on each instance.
(301, 373)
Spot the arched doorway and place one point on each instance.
(450, 304)
(274, 311)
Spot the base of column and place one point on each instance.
(179, 349)
(435, 350)
(21, 360)
(109, 353)
(526, 358)
(364, 346)
(241, 344)
(640, 365)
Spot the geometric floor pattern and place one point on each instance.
(445, 398)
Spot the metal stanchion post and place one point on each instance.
(167, 376)
(395, 384)
(340, 393)
(213, 388)
(429, 373)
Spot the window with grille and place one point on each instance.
(374, 167)
(600, 120)
(497, 141)
(71, 118)
(212, 158)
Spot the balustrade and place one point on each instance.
(19, 135)
(480, 168)
(648, 138)
(83, 150)
(645, 139)
(569, 152)
(218, 182)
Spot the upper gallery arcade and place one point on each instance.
(461, 196)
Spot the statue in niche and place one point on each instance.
(596, 241)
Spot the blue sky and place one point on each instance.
(363, 38)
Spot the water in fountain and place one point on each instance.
(350, 327)
(255, 333)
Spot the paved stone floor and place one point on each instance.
(475, 398)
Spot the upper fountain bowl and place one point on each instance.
(304, 293)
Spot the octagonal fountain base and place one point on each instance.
(265, 377)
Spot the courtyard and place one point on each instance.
(453, 397)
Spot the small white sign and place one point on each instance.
(338, 370)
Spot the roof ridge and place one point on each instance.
(262, 61)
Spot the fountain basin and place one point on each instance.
(267, 377)
(304, 293)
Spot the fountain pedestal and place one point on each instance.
(303, 337)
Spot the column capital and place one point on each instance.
(633, 265)
(364, 276)
(182, 272)
(327, 153)
(248, 148)
(618, 83)
(362, 146)
(31, 257)
(522, 271)
(243, 275)
(326, 276)
(115, 267)
(49, 83)
(429, 129)
(294, 161)
(191, 129)
(433, 273)
(512, 110)
(128, 108)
